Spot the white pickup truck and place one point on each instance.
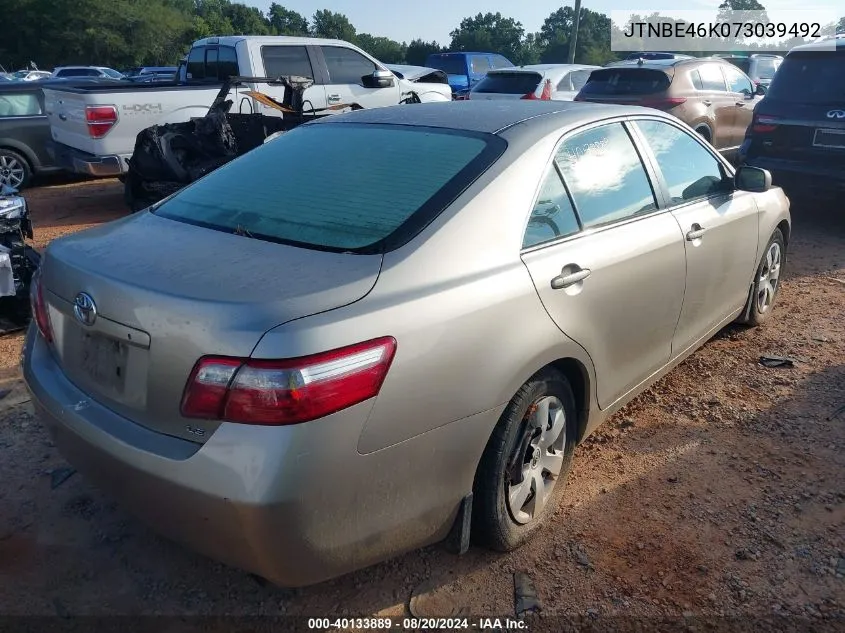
(94, 127)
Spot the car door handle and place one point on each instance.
(564, 281)
(741, 104)
(707, 102)
(63, 117)
(696, 232)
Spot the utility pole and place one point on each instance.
(573, 38)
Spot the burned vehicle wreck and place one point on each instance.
(168, 157)
(18, 260)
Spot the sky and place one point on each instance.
(435, 19)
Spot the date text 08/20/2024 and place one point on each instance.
(416, 624)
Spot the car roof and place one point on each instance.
(490, 117)
(287, 40)
(457, 53)
(822, 44)
(543, 68)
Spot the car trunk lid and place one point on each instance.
(167, 293)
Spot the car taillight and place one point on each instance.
(39, 307)
(277, 392)
(764, 124)
(663, 104)
(100, 119)
(545, 95)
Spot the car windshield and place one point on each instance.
(625, 81)
(337, 186)
(449, 65)
(510, 83)
(816, 77)
(112, 73)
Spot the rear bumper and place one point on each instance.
(799, 175)
(296, 505)
(79, 162)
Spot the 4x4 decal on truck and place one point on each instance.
(138, 108)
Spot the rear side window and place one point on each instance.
(337, 186)
(515, 83)
(196, 63)
(480, 64)
(282, 61)
(816, 77)
(553, 215)
(605, 175)
(626, 81)
(346, 66)
(23, 104)
(227, 62)
(712, 78)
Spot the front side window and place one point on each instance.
(353, 185)
(19, 104)
(737, 82)
(283, 61)
(480, 64)
(553, 216)
(690, 171)
(605, 175)
(346, 66)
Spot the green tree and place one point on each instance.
(333, 25)
(287, 22)
(840, 28)
(530, 51)
(419, 50)
(489, 32)
(383, 49)
(741, 5)
(593, 36)
(246, 20)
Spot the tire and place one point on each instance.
(763, 293)
(14, 169)
(498, 523)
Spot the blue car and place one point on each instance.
(466, 69)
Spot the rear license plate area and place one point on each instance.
(829, 138)
(104, 360)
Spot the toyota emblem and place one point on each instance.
(84, 309)
(836, 114)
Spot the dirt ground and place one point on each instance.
(719, 492)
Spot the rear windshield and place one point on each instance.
(625, 81)
(338, 186)
(449, 65)
(508, 83)
(816, 77)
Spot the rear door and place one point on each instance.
(720, 228)
(607, 263)
(346, 70)
(742, 89)
(22, 122)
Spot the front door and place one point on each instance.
(286, 61)
(719, 226)
(720, 103)
(743, 92)
(345, 85)
(612, 279)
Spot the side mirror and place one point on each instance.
(379, 79)
(752, 179)
(761, 90)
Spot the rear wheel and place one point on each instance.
(14, 169)
(524, 467)
(761, 299)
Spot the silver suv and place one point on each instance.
(759, 67)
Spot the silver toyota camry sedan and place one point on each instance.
(391, 328)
